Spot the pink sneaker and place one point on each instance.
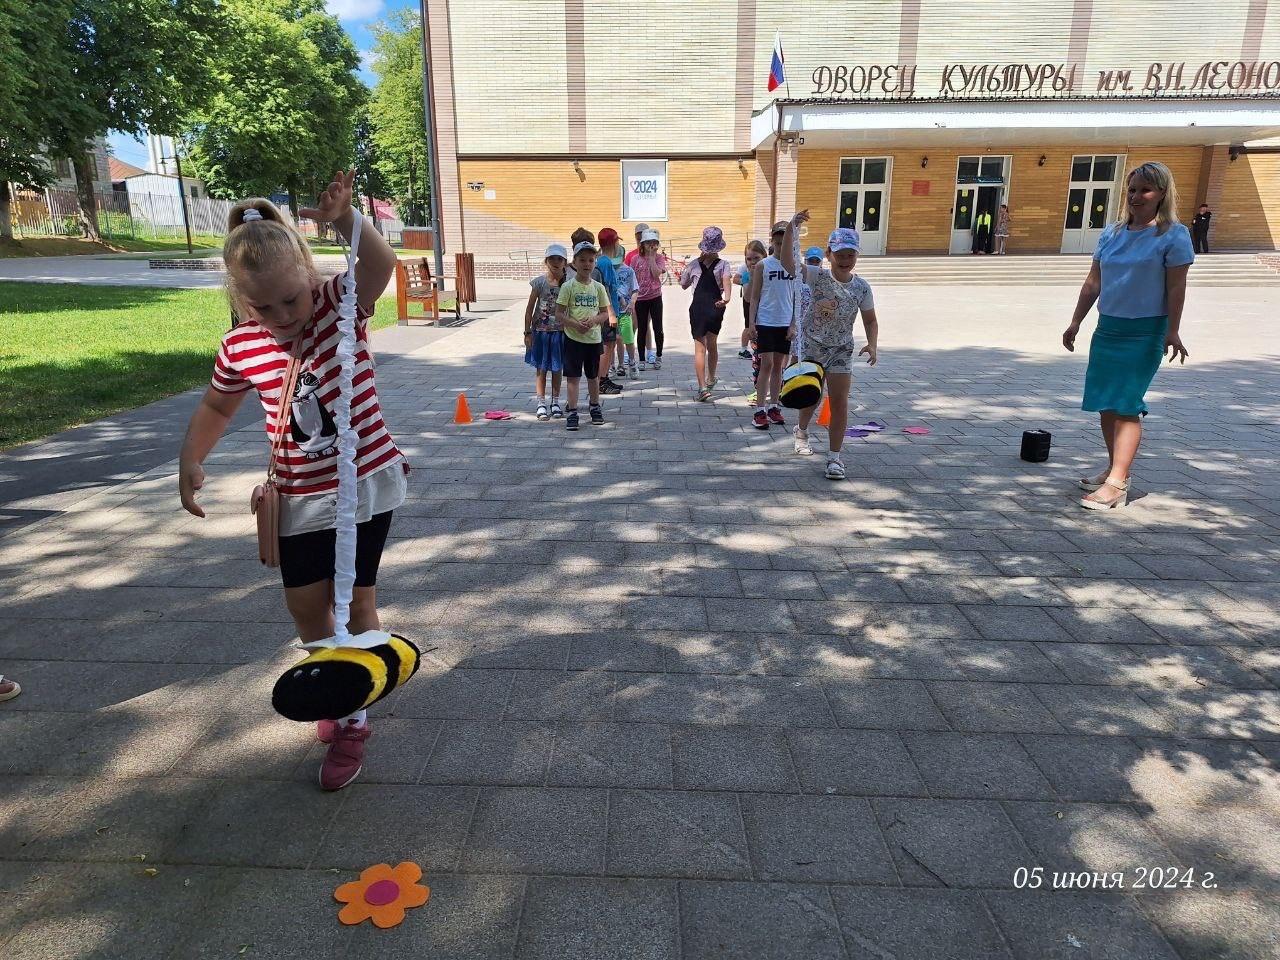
(344, 758)
(326, 730)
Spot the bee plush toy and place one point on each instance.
(337, 680)
(801, 385)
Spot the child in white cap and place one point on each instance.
(543, 332)
(839, 295)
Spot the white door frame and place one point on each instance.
(961, 241)
(1084, 239)
(879, 238)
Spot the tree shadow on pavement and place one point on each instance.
(675, 607)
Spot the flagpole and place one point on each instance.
(786, 77)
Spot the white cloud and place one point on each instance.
(368, 58)
(355, 9)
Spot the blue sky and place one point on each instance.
(356, 16)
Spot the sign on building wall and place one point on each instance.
(899, 81)
(644, 190)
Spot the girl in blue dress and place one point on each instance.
(1139, 280)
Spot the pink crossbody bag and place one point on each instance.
(264, 503)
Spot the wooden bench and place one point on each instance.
(414, 283)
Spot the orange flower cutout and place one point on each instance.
(382, 894)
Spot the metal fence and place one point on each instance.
(144, 216)
(56, 213)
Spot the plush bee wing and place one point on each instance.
(335, 681)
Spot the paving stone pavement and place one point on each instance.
(684, 697)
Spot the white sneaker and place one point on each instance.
(542, 413)
(835, 467)
(802, 443)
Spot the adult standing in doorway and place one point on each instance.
(1003, 220)
(982, 231)
(1200, 228)
(712, 282)
(1139, 279)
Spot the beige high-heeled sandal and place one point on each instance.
(1119, 501)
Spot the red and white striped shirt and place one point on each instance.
(250, 357)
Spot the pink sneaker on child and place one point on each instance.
(345, 756)
(326, 730)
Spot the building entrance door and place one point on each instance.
(862, 201)
(1092, 198)
(981, 186)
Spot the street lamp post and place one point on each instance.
(433, 159)
(182, 191)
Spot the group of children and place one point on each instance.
(587, 310)
(592, 305)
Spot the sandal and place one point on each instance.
(1093, 484)
(8, 688)
(704, 395)
(1119, 501)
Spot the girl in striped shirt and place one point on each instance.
(286, 310)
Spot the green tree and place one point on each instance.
(133, 66)
(395, 110)
(35, 76)
(285, 110)
(369, 182)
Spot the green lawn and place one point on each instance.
(70, 354)
(77, 246)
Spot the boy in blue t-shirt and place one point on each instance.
(624, 306)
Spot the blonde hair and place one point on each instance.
(757, 246)
(1158, 175)
(269, 245)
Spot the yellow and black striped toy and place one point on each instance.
(336, 681)
(801, 385)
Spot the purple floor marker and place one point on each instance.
(871, 426)
(857, 432)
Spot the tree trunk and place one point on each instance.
(84, 193)
(6, 219)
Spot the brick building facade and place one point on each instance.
(906, 119)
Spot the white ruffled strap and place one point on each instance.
(344, 578)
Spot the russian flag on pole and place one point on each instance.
(777, 68)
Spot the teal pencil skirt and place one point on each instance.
(1124, 355)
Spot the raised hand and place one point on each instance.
(334, 201)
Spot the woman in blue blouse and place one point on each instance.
(1139, 279)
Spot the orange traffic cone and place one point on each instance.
(462, 412)
(824, 413)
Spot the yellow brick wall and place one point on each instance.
(539, 201)
(1248, 215)
(1037, 194)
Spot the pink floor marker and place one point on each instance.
(497, 415)
(916, 431)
